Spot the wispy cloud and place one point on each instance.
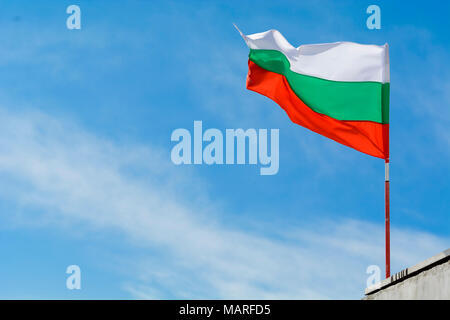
(76, 178)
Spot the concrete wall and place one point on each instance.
(427, 280)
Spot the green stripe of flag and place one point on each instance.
(358, 101)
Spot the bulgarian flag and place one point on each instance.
(339, 90)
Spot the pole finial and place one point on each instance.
(240, 32)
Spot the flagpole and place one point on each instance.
(387, 222)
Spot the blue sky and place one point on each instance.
(86, 178)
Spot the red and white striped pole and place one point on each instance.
(387, 222)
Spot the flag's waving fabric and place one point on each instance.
(339, 90)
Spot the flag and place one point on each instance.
(339, 90)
